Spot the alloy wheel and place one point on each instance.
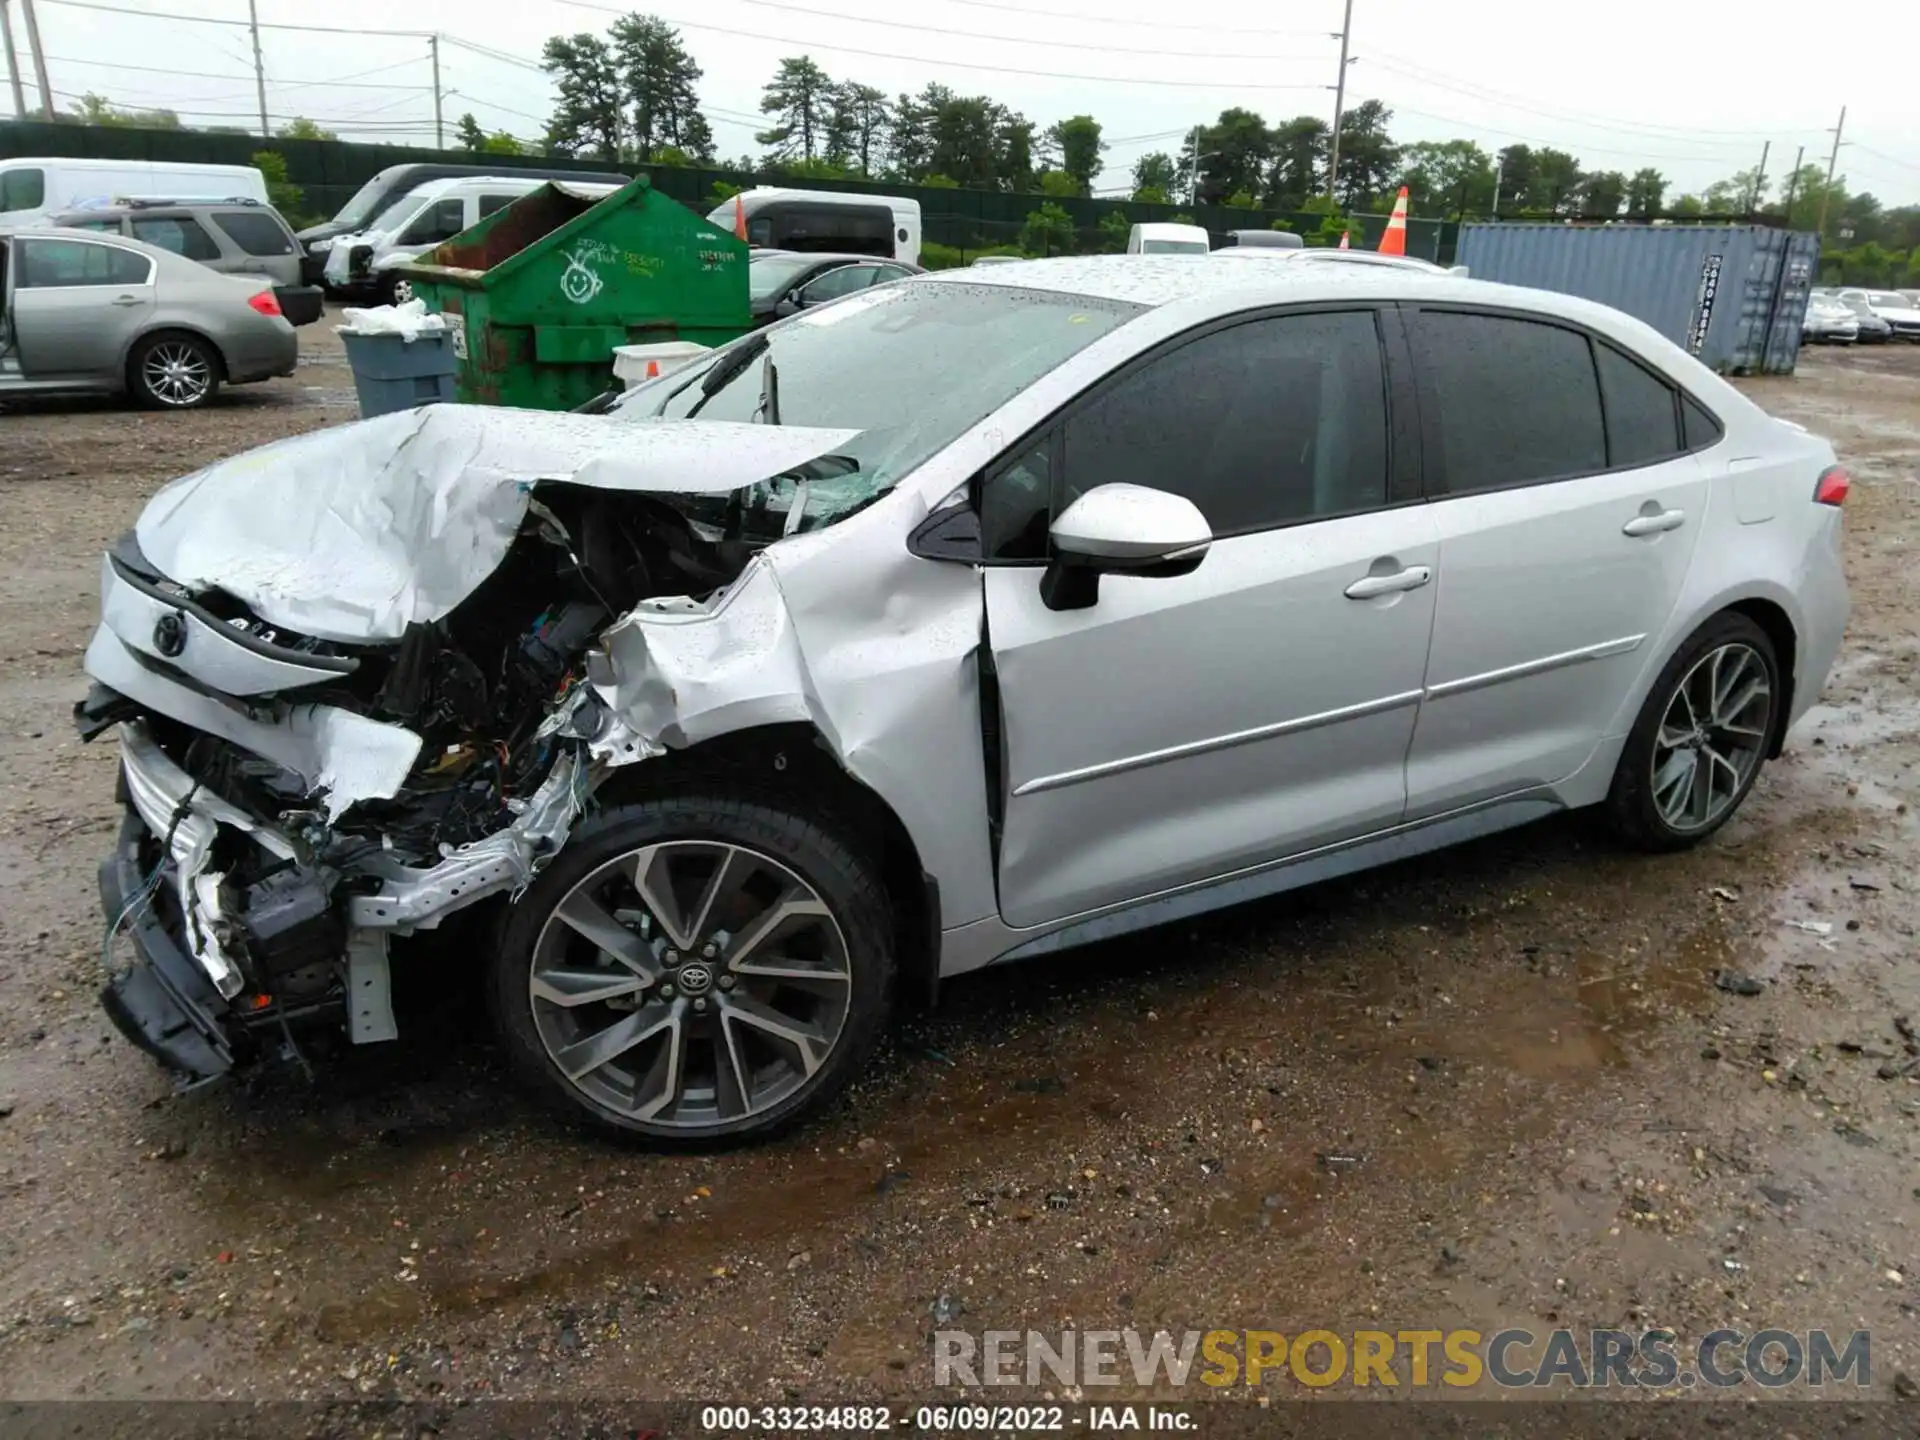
(177, 373)
(690, 984)
(1713, 735)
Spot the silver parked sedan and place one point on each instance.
(88, 313)
(952, 623)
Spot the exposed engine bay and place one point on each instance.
(298, 798)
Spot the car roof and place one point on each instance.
(168, 260)
(1217, 284)
(821, 255)
(154, 210)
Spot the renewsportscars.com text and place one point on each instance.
(1414, 1359)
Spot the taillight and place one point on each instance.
(267, 303)
(1831, 488)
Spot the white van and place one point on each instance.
(833, 221)
(361, 264)
(1165, 238)
(32, 187)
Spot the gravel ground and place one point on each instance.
(1493, 1087)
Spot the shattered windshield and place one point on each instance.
(910, 367)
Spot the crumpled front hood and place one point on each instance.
(356, 532)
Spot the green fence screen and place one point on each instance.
(965, 221)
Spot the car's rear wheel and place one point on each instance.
(695, 969)
(1700, 739)
(174, 372)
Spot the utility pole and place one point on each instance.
(439, 127)
(1832, 160)
(1339, 98)
(1793, 184)
(39, 61)
(1759, 180)
(13, 63)
(1193, 171)
(259, 67)
(1499, 174)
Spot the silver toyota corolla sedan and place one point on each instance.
(948, 624)
(81, 312)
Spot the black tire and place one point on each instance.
(1632, 811)
(837, 872)
(160, 367)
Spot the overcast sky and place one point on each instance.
(1692, 89)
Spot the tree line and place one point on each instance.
(631, 95)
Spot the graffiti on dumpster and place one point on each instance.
(580, 282)
(1703, 304)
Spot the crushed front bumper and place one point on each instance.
(164, 1001)
(173, 1000)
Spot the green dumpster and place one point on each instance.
(540, 292)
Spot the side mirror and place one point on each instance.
(1123, 530)
(788, 306)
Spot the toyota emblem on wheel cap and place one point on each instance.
(695, 979)
(170, 634)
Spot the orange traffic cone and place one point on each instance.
(739, 218)
(1343, 241)
(1394, 242)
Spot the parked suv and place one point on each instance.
(235, 237)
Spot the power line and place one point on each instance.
(1422, 75)
(345, 81)
(1158, 50)
(496, 105)
(1522, 139)
(943, 62)
(500, 55)
(351, 121)
(1882, 155)
(217, 20)
(1155, 24)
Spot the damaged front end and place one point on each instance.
(361, 681)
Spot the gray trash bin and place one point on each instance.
(393, 373)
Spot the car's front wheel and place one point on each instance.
(1700, 739)
(173, 371)
(695, 968)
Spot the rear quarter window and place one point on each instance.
(1701, 428)
(255, 232)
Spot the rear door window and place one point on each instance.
(835, 283)
(183, 235)
(491, 203)
(49, 264)
(255, 232)
(1518, 401)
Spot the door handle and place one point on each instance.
(1654, 524)
(1368, 586)
(127, 300)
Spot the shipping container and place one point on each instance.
(1732, 296)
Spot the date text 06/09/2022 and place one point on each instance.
(940, 1419)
